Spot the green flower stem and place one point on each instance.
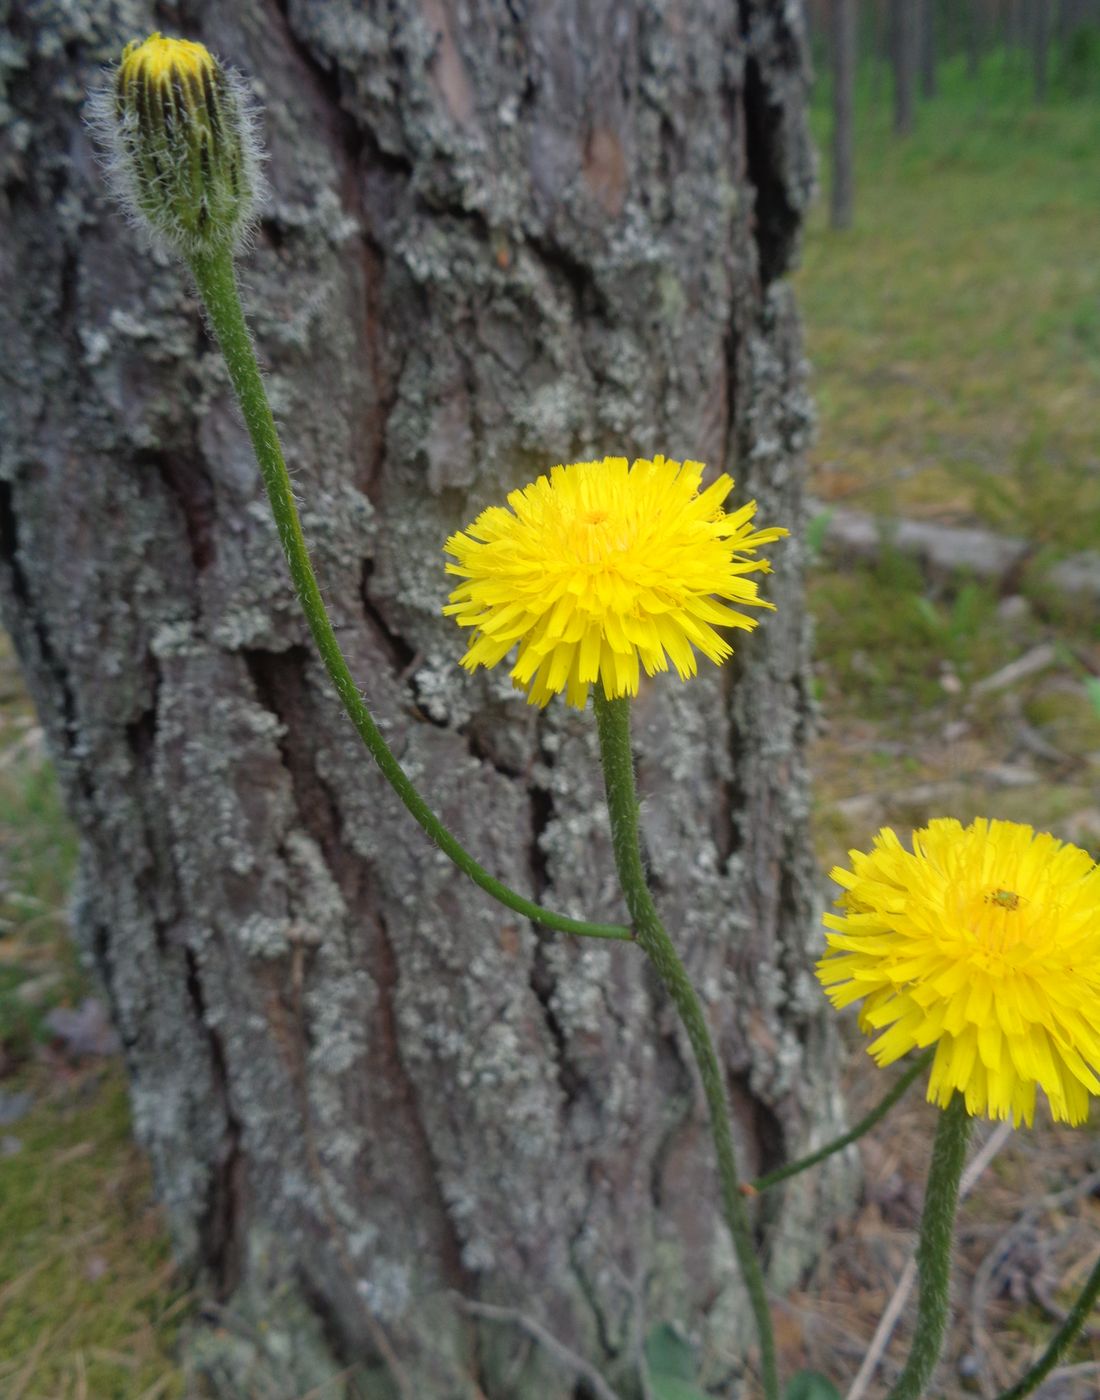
(937, 1230)
(217, 283)
(865, 1124)
(613, 723)
(1060, 1342)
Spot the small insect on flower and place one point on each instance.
(178, 130)
(1005, 899)
(985, 942)
(602, 568)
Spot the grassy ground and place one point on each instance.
(955, 338)
(955, 334)
(89, 1307)
(956, 327)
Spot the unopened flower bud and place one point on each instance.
(178, 126)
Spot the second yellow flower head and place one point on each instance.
(985, 942)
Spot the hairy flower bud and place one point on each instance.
(184, 157)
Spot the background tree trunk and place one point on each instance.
(1040, 47)
(844, 54)
(975, 33)
(500, 237)
(928, 48)
(1017, 25)
(1069, 17)
(906, 46)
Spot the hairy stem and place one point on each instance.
(865, 1124)
(937, 1230)
(613, 722)
(217, 283)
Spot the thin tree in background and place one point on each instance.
(1067, 19)
(879, 42)
(1040, 46)
(928, 48)
(1016, 26)
(906, 48)
(972, 26)
(843, 18)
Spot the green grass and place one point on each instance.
(88, 1306)
(87, 1303)
(955, 329)
(954, 334)
(884, 637)
(38, 967)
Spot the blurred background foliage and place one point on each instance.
(953, 326)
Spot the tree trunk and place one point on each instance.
(1017, 25)
(1069, 18)
(879, 41)
(1040, 47)
(928, 48)
(844, 30)
(906, 63)
(500, 237)
(974, 32)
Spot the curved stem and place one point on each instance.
(1059, 1343)
(613, 722)
(865, 1124)
(217, 284)
(937, 1231)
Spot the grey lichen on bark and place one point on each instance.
(500, 237)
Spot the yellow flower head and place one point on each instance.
(985, 940)
(159, 60)
(600, 566)
(178, 131)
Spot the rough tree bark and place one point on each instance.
(501, 236)
(843, 19)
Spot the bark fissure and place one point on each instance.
(386, 974)
(758, 1125)
(541, 801)
(279, 678)
(360, 153)
(224, 1222)
(544, 986)
(402, 655)
(190, 486)
(479, 745)
(155, 878)
(731, 837)
(385, 377)
(327, 79)
(541, 978)
(776, 222)
(767, 1133)
(99, 945)
(588, 1292)
(773, 59)
(679, 1109)
(280, 681)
